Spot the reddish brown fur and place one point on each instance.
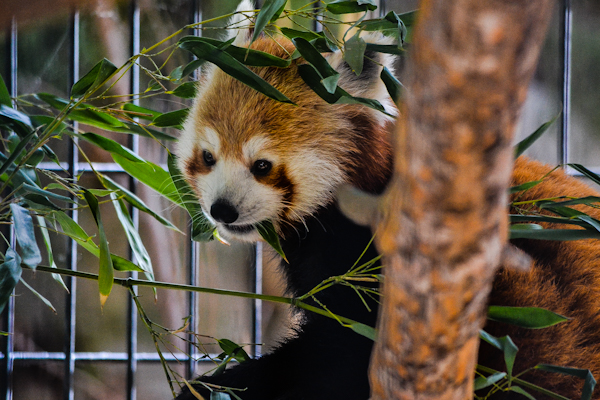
(565, 278)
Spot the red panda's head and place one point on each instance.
(250, 158)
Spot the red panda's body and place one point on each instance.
(251, 159)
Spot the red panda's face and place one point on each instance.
(251, 159)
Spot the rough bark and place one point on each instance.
(445, 223)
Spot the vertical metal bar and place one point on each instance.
(257, 319)
(9, 312)
(134, 142)
(566, 20)
(70, 317)
(193, 252)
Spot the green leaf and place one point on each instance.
(529, 140)
(48, 244)
(4, 94)
(393, 85)
(230, 65)
(524, 186)
(588, 385)
(521, 391)
(525, 317)
(294, 33)
(135, 201)
(192, 66)
(312, 78)
(39, 296)
(172, 119)
(350, 6)
(151, 175)
(105, 273)
(96, 76)
(186, 90)
(75, 232)
(133, 237)
(270, 11)
(140, 112)
(251, 57)
(482, 382)
(202, 229)
(586, 172)
(364, 330)
(553, 234)
(354, 53)
(16, 153)
(234, 350)
(111, 146)
(10, 273)
(543, 218)
(314, 57)
(23, 223)
(268, 233)
(506, 345)
(15, 120)
(36, 190)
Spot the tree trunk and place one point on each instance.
(445, 221)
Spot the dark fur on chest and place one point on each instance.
(324, 360)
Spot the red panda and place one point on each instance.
(251, 159)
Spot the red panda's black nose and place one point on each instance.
(223, 211)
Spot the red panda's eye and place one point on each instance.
(209, 159)
(261, 167)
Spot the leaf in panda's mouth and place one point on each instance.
(268, 233)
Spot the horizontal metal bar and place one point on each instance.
(98, 356)
(85, 167)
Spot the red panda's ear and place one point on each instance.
(368, 84)
(241, 24)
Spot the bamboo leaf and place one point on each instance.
(10, 273)
(233, 349)
(525, 317)
(482, 382)
(586, 172)
(268, 233)
(4, 94)
(172, 119)
(393, 85)
(529, 140)
(350, 6)
(506, 345)
(39, 296)
(202, 229)
(186, 90)
(15, 120)
(589, 380)
(294, 33)
(554, 234)
(140, 112)
(23, 223)
(135, 201)
(111, 146)
(133, 237)
(48, 244)
(230, 65)
(96, 76)
(270, 11)
(16, 152)
(364, 330)
(354, 53)
(151, 175)
(105, 273)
